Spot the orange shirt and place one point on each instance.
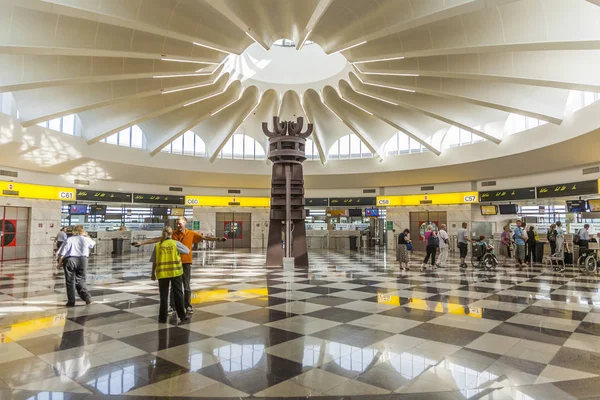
(188, 238)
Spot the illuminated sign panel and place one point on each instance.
(29, 191)
(223, 201)
(418, 199)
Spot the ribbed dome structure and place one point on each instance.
(371, 68)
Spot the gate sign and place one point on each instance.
(224, 201)
(436, 198)
(29, 191)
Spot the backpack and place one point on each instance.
(576, 238)
(433, 241)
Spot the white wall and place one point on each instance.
(259, 221)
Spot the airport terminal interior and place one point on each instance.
(329, 199)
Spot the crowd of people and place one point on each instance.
(520, 243)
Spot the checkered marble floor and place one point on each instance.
(353, 324)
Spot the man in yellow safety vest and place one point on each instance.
(168, 269)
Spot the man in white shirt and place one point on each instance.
(444, 240)
(73, 259)
(584, 239)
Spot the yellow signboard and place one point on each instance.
(223, 201)
(420, 199)
(28, 191)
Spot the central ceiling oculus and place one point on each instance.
(285, 65)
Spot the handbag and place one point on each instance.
(409, 246)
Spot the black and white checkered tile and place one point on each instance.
(352, 324)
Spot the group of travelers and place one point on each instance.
(521, 242)
(171, 266)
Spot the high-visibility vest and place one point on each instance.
(168, 261)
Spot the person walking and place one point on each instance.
(402, 250)
(61, 238)
(520, 236)
(531, 245)
(73, 259)
(188, 238)
(462, 236)
(444, 240)
(551, 236)
(505, 243)
(432, 243)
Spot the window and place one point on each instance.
(188, 144)
(516, 123)
(242, 147)
(128, 137)
(289, 43)
(310, 150)
(64, 124)
(349, 146)
(460, 137)
(400, 143)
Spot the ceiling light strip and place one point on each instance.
(256, 41)
(182, 75)
(187, 88)
(225, 106)
(389, 87)
(384, 86)
(305, 39)
(376, 98)
(212, 48)
(188, 61)
(388, 73)
(333, 112)
(378, 60)
(359, 107)
(384, 73)
(350, 47)
(204, 98)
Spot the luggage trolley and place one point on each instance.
(589, 261)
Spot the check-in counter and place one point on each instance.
(317, 239)
(104, 243)
(340, 240)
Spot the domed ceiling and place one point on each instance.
(372, 68)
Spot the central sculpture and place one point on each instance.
(287, 152)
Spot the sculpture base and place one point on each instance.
(288, 263)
